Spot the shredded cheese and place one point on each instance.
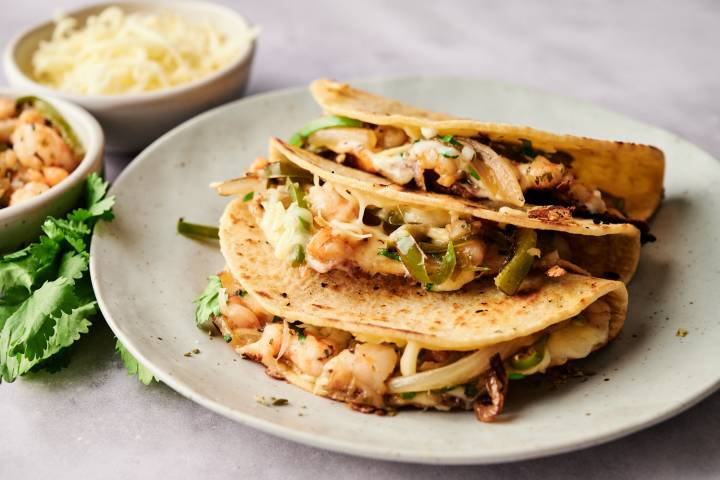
(117, 52)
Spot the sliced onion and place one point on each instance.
(497, 175)
(408, 361)
(457, 373)
(236, 186)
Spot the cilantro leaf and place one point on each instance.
(134, 367)
(46, 297)
(207, 305)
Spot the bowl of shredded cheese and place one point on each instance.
(140, 67)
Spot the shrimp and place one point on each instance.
(31, 116)
(239, 316)
(390, 137)
(541, 174)
(27, 191)
(326, 251)
(54, 175)
(328, 203)
(38, 146)
(358, 376)
(310, 355)
(7, 127)
(7, 108)
(360, 142)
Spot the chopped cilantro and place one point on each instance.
(276, 319)
(429, 287)
(300, 332)
(207, 305)
(449, 155)
(389, 254)
(451, 140)
(248, 196)
(408, 395)
(241, 293)
(227, 337)
(474, 174)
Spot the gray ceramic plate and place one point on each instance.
(146, 277)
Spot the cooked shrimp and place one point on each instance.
(31, 116)
(591, 199)
(54, 175)
(7, 108)
(8, 161)
(325, 251)
(390, 137)
(311, 355)
(433, 155)
(239, 316)
(7, 127)
(359, 377)
(541, 173)
(27, 191)
(328, 203)
(598, 314)
(38, 145)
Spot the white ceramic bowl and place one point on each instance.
(21, 223)
(132, 121)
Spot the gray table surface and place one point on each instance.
(656, 61)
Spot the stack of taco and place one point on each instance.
(388, 256)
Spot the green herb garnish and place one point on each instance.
(46, 298)
(474, 174)
(408, 395)
(300, 332)
(248, 196)
(227, 337)
(451, 140)
(207, 305)
(133, 367)
(389, 254)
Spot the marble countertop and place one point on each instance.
(655, 61)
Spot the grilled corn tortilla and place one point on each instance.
(379, 342)
(628, 171)
(601, 249)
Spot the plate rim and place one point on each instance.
(344, 446)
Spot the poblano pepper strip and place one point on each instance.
(332, 121)
(515, 271)
(413, 258)
(530, 357)
(56, 118)
(447, 266)
(196, 230)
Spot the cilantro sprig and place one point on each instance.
(46, 300)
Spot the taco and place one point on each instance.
(321, 216)
(427, 151)
(381, 343)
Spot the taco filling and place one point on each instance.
(375, 375)
(471, 167)
(321, 225)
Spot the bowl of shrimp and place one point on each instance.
(47, 149)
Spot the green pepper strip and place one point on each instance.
(51, 113)
(515, 271)
(530, 357)
(414, 260)
(196, 230)
(332, 121)
(447, 267)
(285, 170)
